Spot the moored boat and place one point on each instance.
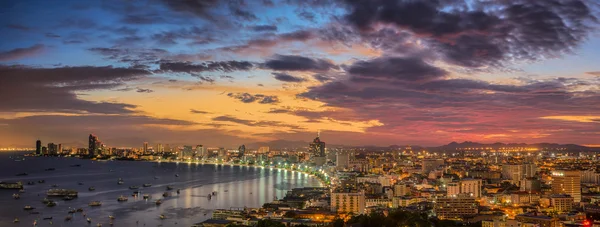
(42, 181)
(51, 203)
(11, 185)
(16, 196)
(146, 196)
(21, 174)
(122, 198)
(67, 198)
(166, 194)
(169, 187)
(95, 203)
(147, 185)
(61, 192)
(91, 189)
(28, 207)
(134, 187)
(158, 202)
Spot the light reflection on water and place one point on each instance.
(246, 186)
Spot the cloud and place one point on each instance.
(297, 63)
(264, 28)
(143, 90)
(595, 73)
(395, 68)
(321, 78)
(211, 66)
(260, 44)
(27, 89)
(20, 53)
(254, 123)
(19, 27)
(250, 98)
(287, 78)
(194, 111)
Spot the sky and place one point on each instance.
(360, 72)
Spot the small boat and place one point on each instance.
(47, 218)
(68, 218)
(111, 217)
(55, 186)
(209, 196)
(162, 216)
(120, 182)
(122, 199)
(112, 170)
(80, 183)
(214, 193)
(166, 194)
(169, 187)
(155, 178)
(147, 185)
(158, 202)
(22, 191)
(89, 220)
(34, 212)
(72, 211)
(16, 196)
(95, 203)
(28, 207)
(134, 187)
(68, 198)
(176, 175)
(16, 220)
(21, 174)
(76, 165)
(91, 189)
(99, 225)
(45, 201)
(178, 191)
(79, 209)
(30, 183)
(42, 181)
(51, 204)
(50, 169)
(146, 196)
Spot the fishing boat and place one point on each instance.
(111, 217)
(91, 189)
(28, 207)
(89, 220)
(11, 185)
(147, 185)
(134, 187)
(61, 192)
(72, 211)
(122, 198)
(169, 187)
(166, 194)
(146, 196)
(51, 203)
(95, 203)
(162, 216)
(50, 169)
(30, 183)
(42, 181)
(16, 196)
(68, 218)
(21, 174)
(99, 225)
(120, 182)
(68, 198)
(80, 183)
(158, 202)
(79, 209)
(21, 190)
(16, 220)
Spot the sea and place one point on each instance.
(235, 187)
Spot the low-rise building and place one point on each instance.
(456, 207)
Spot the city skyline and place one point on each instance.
(237, 72)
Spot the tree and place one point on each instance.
(269, 223)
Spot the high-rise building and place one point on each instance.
(241, 151)
(38, 147)
(52, 149)
(145, 147)
(60, 148)
(317, 147)
(342, 160)
(200, 151)
(401, 190)
(561, 203)
(159, 148)
(429, 165)
(531, 184)
(348, 202)
(92, 145)
(262, 150)
(468, 186)
(518, 172)
(567, 182)
(456, 207)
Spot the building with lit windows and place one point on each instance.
(456, 207)
(348, 202)
(469, 186)
(567, 182)
(429, 165)
(561, 203)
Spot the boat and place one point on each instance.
(21, 190)
(47, 218)
(76, 165)
(30, 183)
(42, 181)
(122, 199)
(16, 196)
(111, 217)
(214, 193)
(146, 196)
(61, 192)
(34, 212)
(95, 203)
(158, 202)
(176, 175)
(147, 185)
(91, 189)
(89, 220)
(80, 183)
(134, 187)
(11, 185)
(21, 174)
(68, 218)
(54, 185)
(72, 211)
(16, 220)
(51, 203)
(120, 182)
(166, 194)
(99, 225)
(67, 198)
(28, 207)
(162, 216)
(178, 191)
(169, 187)
(50, 169)
(79, 209)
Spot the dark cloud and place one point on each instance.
(211, 66)
(194, 34)
(55, 89)
(78, 23)
(297, 63)
(143, 19)
(287, 78)
(199, 8)
(485, 34)
(250, 98)
(253, 123)
(243, 14)
(20, 53)
(321, 77)
(144, 90)
(279, 111)
(52, 35)
(194, 111)
(395, 68)
(595, 73)
(18, 27)
(264, 28)
(131, 56)
(257, 44)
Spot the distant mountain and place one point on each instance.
(278, 144)
(547, 146)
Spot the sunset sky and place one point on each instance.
(363, 72)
